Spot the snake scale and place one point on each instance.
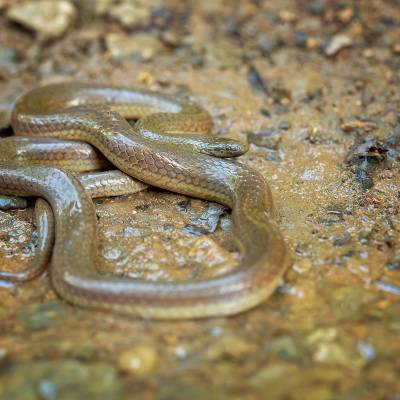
(162, 149)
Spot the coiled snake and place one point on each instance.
(153, 151)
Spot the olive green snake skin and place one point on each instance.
(155, 152)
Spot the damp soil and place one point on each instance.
(313, 86)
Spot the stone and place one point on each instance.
(134, 231)
(396, 48)
(140, 47)
(287, 16)
(284, 125)
(346, 14)
(131, 14)
(337, 43)
(266, 43)
(341, 240)
(45, 17)
(207, 222)
(112, 253)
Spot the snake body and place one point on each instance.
(153, 151)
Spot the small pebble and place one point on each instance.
(396, 48)
(131, 14)
(337, 43)
(265, 44)
(232, 346)
(265, 113)
(112, 253)
(140, 360)
(184, 205)
(3, 355)
(343, 239)
(287, 16)
(366, 350)
(318, 7)
(365, 234)
(140, 47)
(256, 81)
(300, 39)
(47, 390)
(346, 14)
(284, 125)
(312, 43)
(394, 264)
(136, 232)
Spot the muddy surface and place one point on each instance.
(314, 87)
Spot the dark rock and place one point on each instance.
(366, 157)
(317, 7)
(284, 125)
(300, 39)
(341, 240)
(207, 222)
(162, 17)
(168, 227)
(256, 81)
(266, 44)
(265, 113)
(184, 205)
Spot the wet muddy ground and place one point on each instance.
(314, 87)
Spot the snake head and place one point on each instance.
(224, 148)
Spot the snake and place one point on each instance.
(167, 147)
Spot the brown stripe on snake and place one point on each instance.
(153, 151)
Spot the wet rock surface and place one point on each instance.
(313, 86)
